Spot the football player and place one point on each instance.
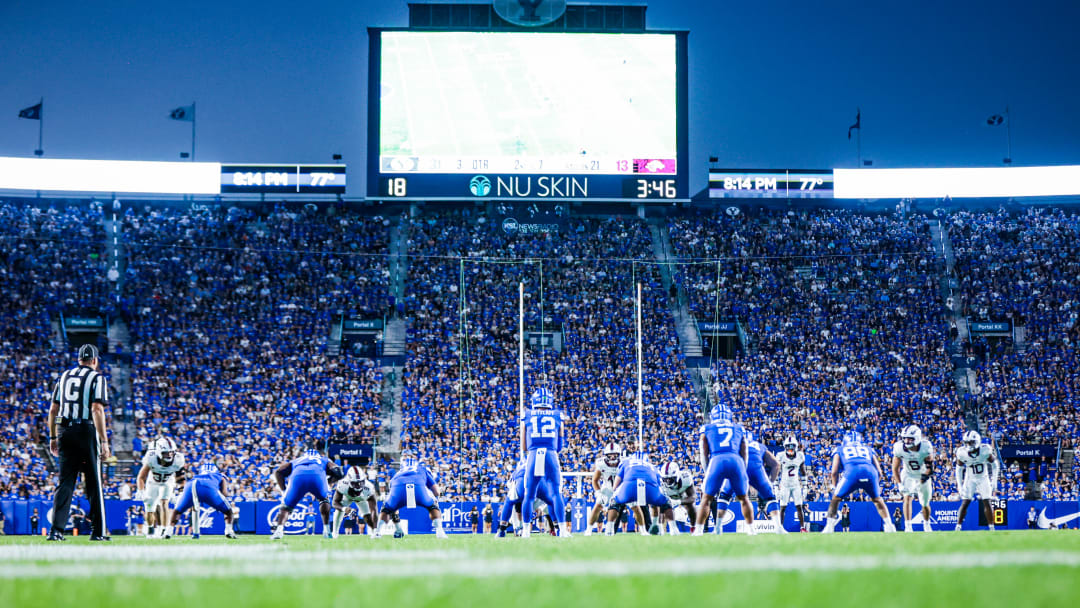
(511, 512)
(637, 483)
(761, 466)
(678, 486)
(860, 471)
(792, 463)
(354, 488)
(312, 473)
(542, 439)
(162, 468)
(912, 468)
(603, 482)
(206, 488)
(723, 456)
(414, 485)
(976, 475)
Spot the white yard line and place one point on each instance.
(263, 562)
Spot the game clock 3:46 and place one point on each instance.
(649, 188)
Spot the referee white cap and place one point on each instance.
(88, 352)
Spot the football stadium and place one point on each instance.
(546, 327)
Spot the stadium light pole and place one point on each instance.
(641, 445)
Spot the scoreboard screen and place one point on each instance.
(527, 115)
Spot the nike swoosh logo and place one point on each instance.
(1044, 522)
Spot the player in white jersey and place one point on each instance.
(678, 486)
(603, 482)
(354, 488)
(792, 470)
(162, 468)
(976, 474)
(912, 469)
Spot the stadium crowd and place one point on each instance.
(229, 312)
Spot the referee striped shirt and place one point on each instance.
(76, 389)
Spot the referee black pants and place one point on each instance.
(79, 454)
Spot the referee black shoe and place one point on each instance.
(101, 538)
(55, 537)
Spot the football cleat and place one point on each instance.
(55, 537)
(230, 535)
(654, 529)
(399, 534)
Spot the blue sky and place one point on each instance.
(772, 84)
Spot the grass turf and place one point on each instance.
(1019, 568)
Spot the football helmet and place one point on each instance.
(972, 439)
(791, 444)
(669, 474)
(911, 436)
(612, 454)
(542, 399)
(355, 479)
(207, 468)
(165, 449)
(720, 413)
(409, 459)
(852, 438)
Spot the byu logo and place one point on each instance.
(480, 185)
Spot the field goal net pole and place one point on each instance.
(640, 442)
(521, 365)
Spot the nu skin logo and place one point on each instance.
(480, 185)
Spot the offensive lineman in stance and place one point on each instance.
(637, 483)
(312, 473)
(912, 467)
(411, 487)
(162, 468)
(976, 474)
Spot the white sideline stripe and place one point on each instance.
(178, 553)
(336, 564)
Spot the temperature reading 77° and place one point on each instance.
(809, 183)
(321, 179)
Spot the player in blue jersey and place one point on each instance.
(761, 466)
(512, 507)
(723, 455)
(413, 486)
(206, 488)
(542, 439)
(860, 471)
(637, 483)
(312, 473)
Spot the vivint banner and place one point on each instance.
(258, 517)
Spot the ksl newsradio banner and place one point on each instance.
(258, 517)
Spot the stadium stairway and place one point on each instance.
(119, 339)
(964, 377)
(686, 327)
(395, 334)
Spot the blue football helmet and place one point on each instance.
(208, 468)
(641, 455)
(852, 438)
(409, 459)
(542, 399)
(720, 413)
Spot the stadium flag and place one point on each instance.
(996, 120)
(185, 113)
(33, 112)
(858, 123)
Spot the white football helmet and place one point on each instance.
(612, 454)
(911, 436)
(669, 474)
(165, 449)
(972, 439)
(791, 444)
(355, 478)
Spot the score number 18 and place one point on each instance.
(395, 186)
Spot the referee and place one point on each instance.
(78, 409)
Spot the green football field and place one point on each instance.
(1036, 568)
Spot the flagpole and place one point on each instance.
(193, 117)
(41, 128)
(1008, 136)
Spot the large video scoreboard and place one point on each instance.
(525, 115)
